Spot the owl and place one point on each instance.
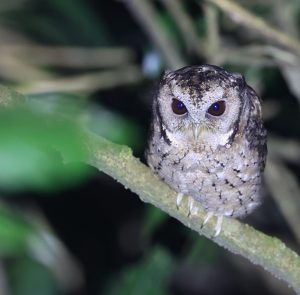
(208, 140)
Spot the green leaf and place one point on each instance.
(14, 234)
(114, 127)
(202, 250)
(153, 219)
(28, 277)
(80, 14)
(111, 125)
(149, 277)
(34, 149)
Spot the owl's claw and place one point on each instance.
(179, 199)
(207, 217)
(218, 226)
(193, 208)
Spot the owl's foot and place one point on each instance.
(218, 226)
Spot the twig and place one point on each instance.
(286, 15)
(4, 286)
(259, 54)
(145, 14)
(86, 82)
(212, 32)
(185, 26)
(72, 57)
(284, 149)
(285, 193)
(19, 70)
(240, 15)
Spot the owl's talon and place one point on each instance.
(218, 226)
(179, 199)
(195, 210)
(192, 207)
(207, 217)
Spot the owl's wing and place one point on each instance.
(256, 133)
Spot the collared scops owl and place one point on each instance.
(207, 139)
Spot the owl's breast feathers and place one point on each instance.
(225, 181)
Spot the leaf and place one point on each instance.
(153, 219)
(114, 127)
(28, 277)
(149, 277)
(99, 119)
(14, 234)
(34, 149)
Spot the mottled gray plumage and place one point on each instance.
(216, 160)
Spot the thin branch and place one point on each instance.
(4, 285)
(285, 193)
(285, 149)
(186, 26)
(72, 57)
(286, 15)
(240, 15)
(212, 32)
(19, 70)
(145, 13)
(86, 82)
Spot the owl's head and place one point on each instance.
(202, 104)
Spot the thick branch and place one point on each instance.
(269, 252)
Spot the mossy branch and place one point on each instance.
(269, 252)
(118, 162)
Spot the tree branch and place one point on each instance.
(269, 252)
(118, 162)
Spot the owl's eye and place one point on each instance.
(178, 107)
(217, 108)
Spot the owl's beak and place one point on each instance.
(196, 131)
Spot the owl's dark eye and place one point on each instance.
(178, 107)
(217, 108)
